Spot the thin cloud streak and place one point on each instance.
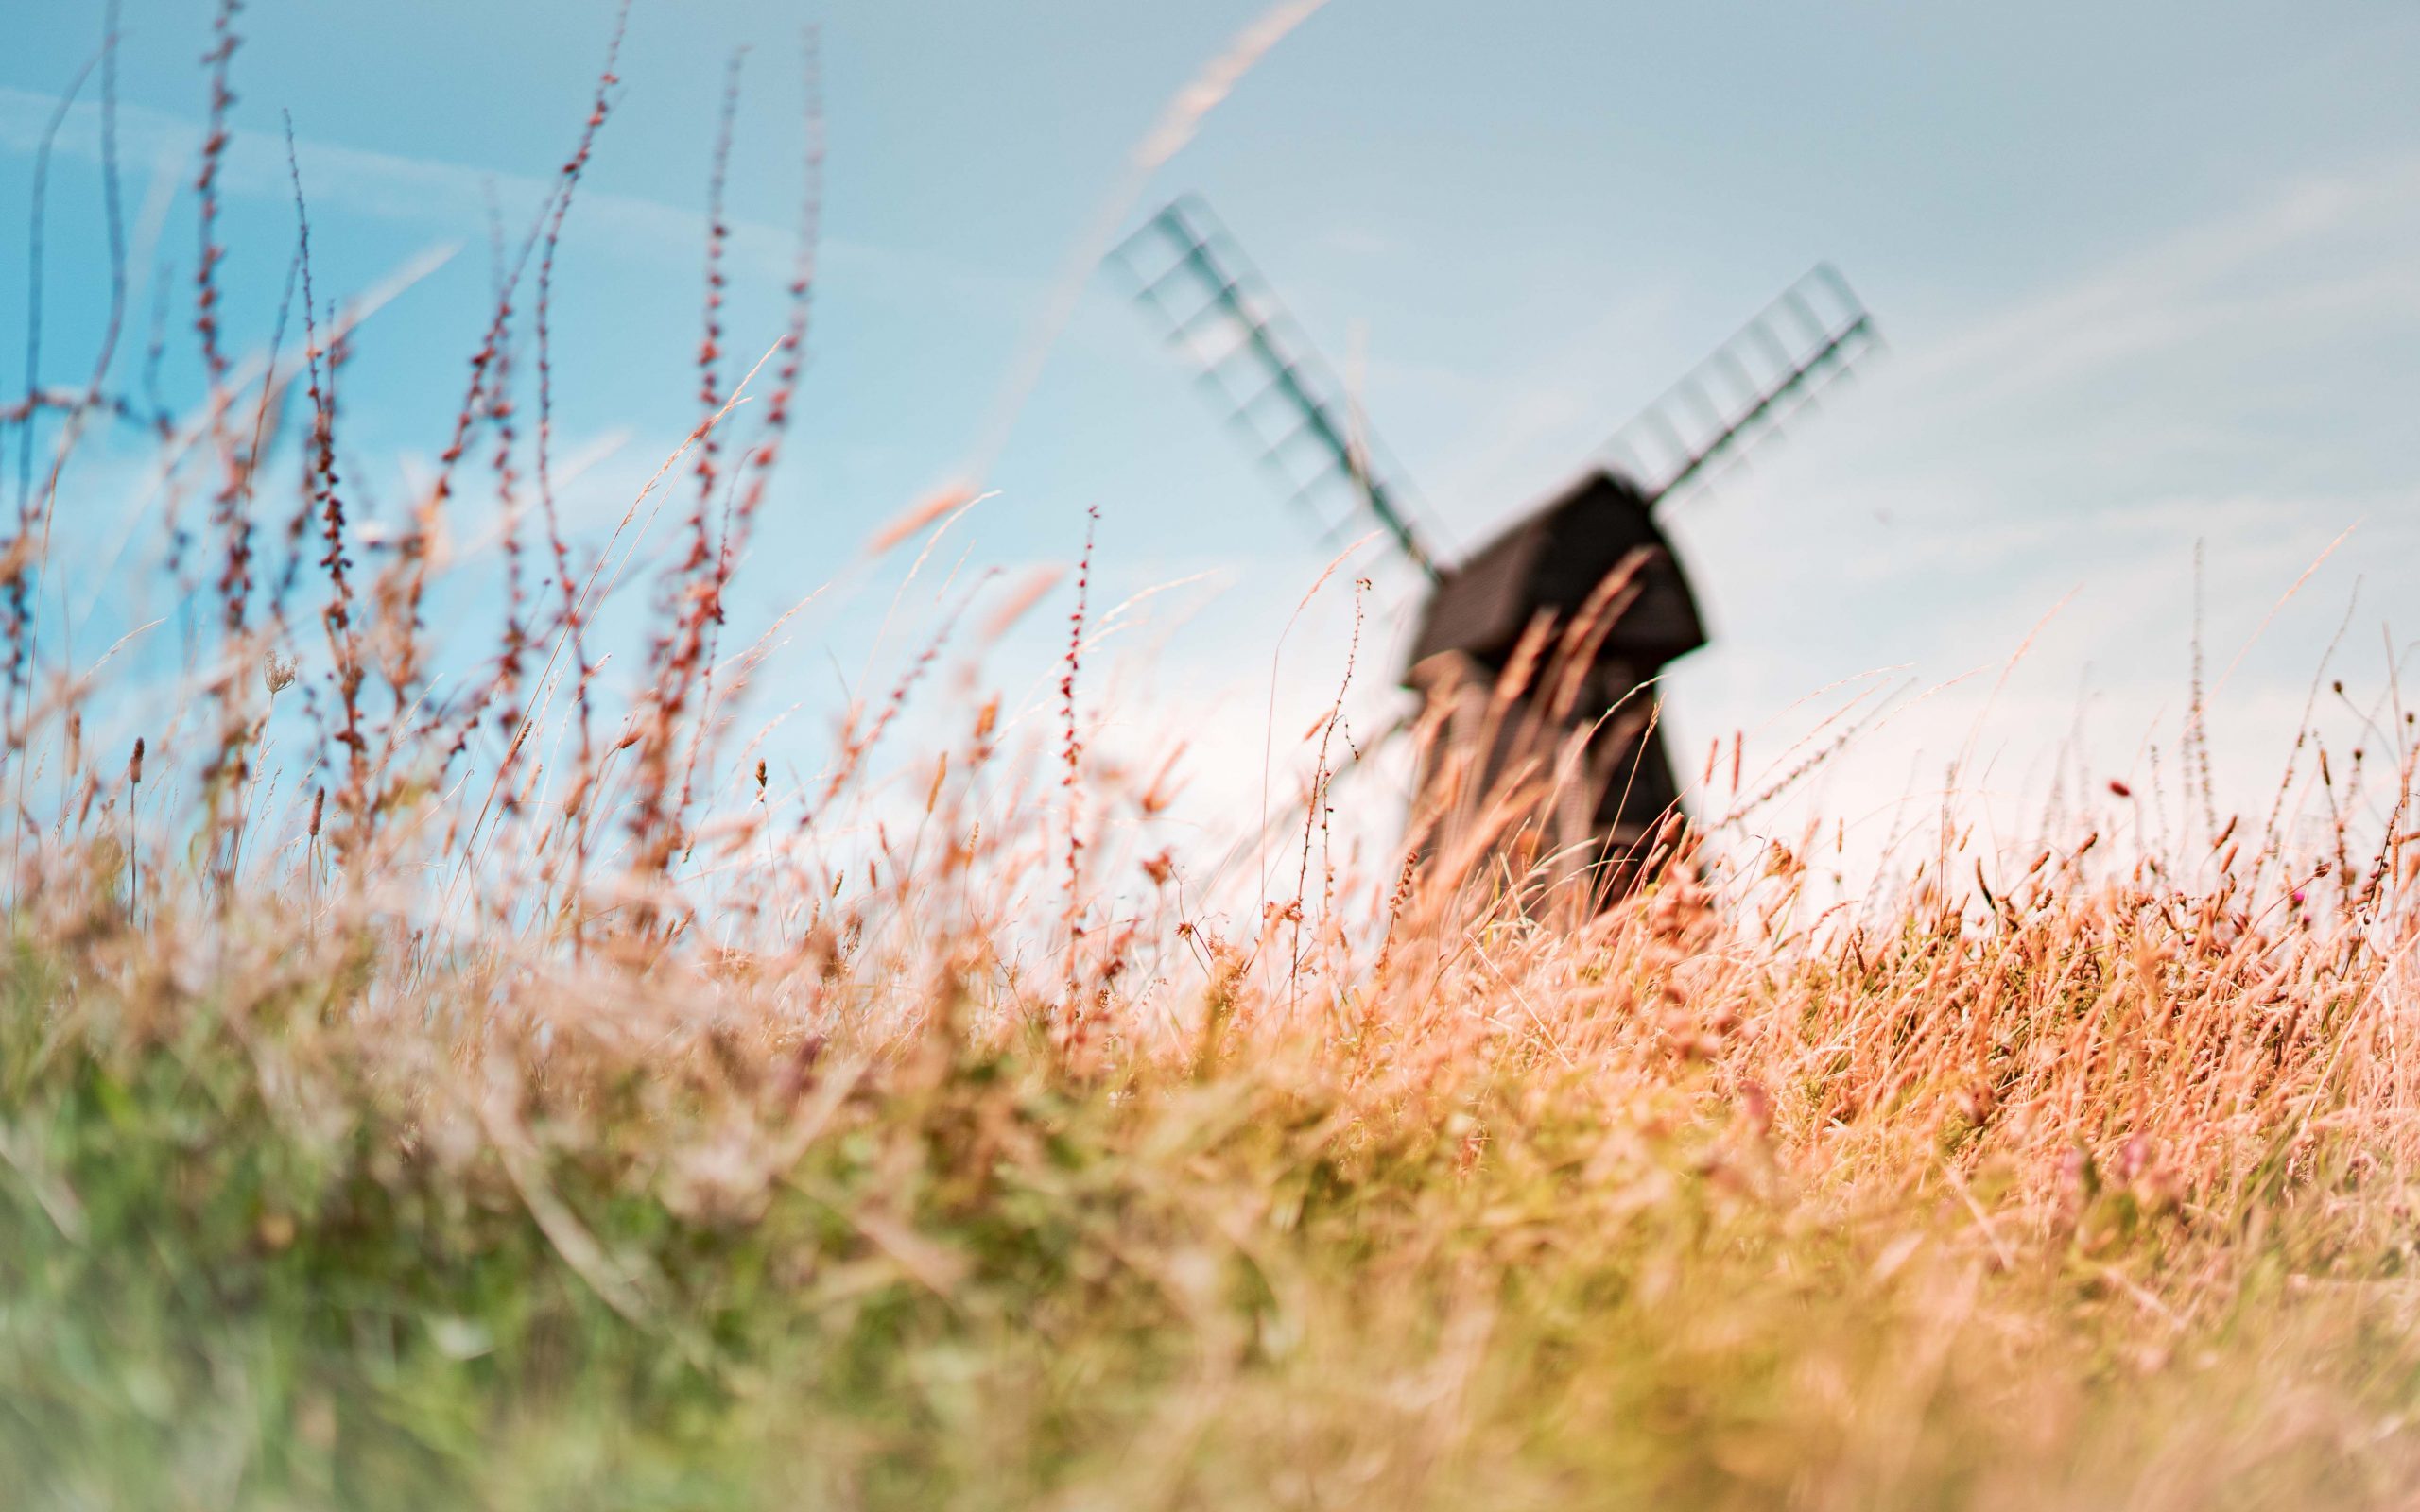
(453, 197)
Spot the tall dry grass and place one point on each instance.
(538, 1103)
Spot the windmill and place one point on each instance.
(1538, 653)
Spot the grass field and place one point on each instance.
(483, 1118)
(2082, 1208)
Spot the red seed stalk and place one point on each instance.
(1071, 755)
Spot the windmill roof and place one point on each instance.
(1551, 561)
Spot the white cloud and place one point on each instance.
(452, 197)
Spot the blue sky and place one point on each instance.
(2150, 276)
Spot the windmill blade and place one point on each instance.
(1220, 315)
(1810, 334)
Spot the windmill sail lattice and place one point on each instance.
(1262, 372)
(1808, 335)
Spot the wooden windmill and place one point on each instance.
(1539, 653)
